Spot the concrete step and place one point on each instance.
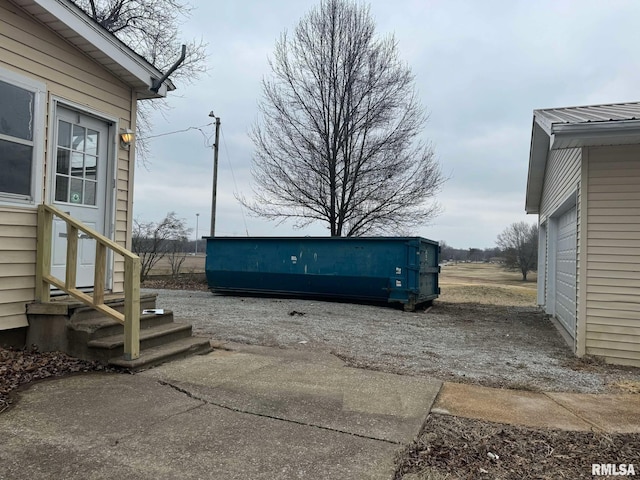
(105, 327)
(65, 305)
(174, 350)
(113, 346)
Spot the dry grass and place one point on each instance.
(486, 284)
(626, 386)
(192, 264)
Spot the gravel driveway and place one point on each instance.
(513, 347)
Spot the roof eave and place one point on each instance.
(540, 142)
(70, 22)
(590, 134)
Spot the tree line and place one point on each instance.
(516, 249)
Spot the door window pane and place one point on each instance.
(16, 114)
(77, 138)
(62, 163)
(90, 164)
(75, 192)
(91, 146)
(64, 134)
(62, 188)
(76, 164)
(15, 165)
(89, 193)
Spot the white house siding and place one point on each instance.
(613, 245)
(29, 49)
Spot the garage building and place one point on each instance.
(584, 184)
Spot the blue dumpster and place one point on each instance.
(362, 269)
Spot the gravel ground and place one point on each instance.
(498, 346)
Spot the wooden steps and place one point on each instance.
(85, 333)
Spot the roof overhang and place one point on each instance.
(71, 23)
(619, 132)
(547, 136)
(537, 164)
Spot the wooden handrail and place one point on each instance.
(131, 317)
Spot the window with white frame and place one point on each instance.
(19, 120)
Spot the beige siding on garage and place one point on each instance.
(561, 178)
(29, 49)
(613, 243)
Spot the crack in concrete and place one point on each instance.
(116, 441)
(594, 426)
(273, 417)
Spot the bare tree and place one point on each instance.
(152, 241)
(338, 139)
(519, 245)
(151, 29)
(176, 253)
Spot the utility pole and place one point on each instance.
(215, 176)
(197, 218)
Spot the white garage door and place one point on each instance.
(565, 307)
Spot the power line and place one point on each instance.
(207, 138)
(208, 144)
(235, 185)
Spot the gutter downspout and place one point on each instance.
(158, 83)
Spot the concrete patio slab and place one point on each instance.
(609, 413)
(312, 390)
(257, 412)
(118, 426)
(516, 407)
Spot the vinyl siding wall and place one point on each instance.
(561, 178)
(29, 49)
(613, 260)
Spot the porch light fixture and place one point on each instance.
(126, 137)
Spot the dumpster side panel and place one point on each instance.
(362, 269)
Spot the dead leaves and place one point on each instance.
(19, 367)
(467, 448)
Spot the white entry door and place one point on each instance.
(79, 187)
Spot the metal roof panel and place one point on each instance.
(589, 114)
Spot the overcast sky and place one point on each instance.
(481, 68)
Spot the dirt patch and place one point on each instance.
(456, 448)
(189, 281)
